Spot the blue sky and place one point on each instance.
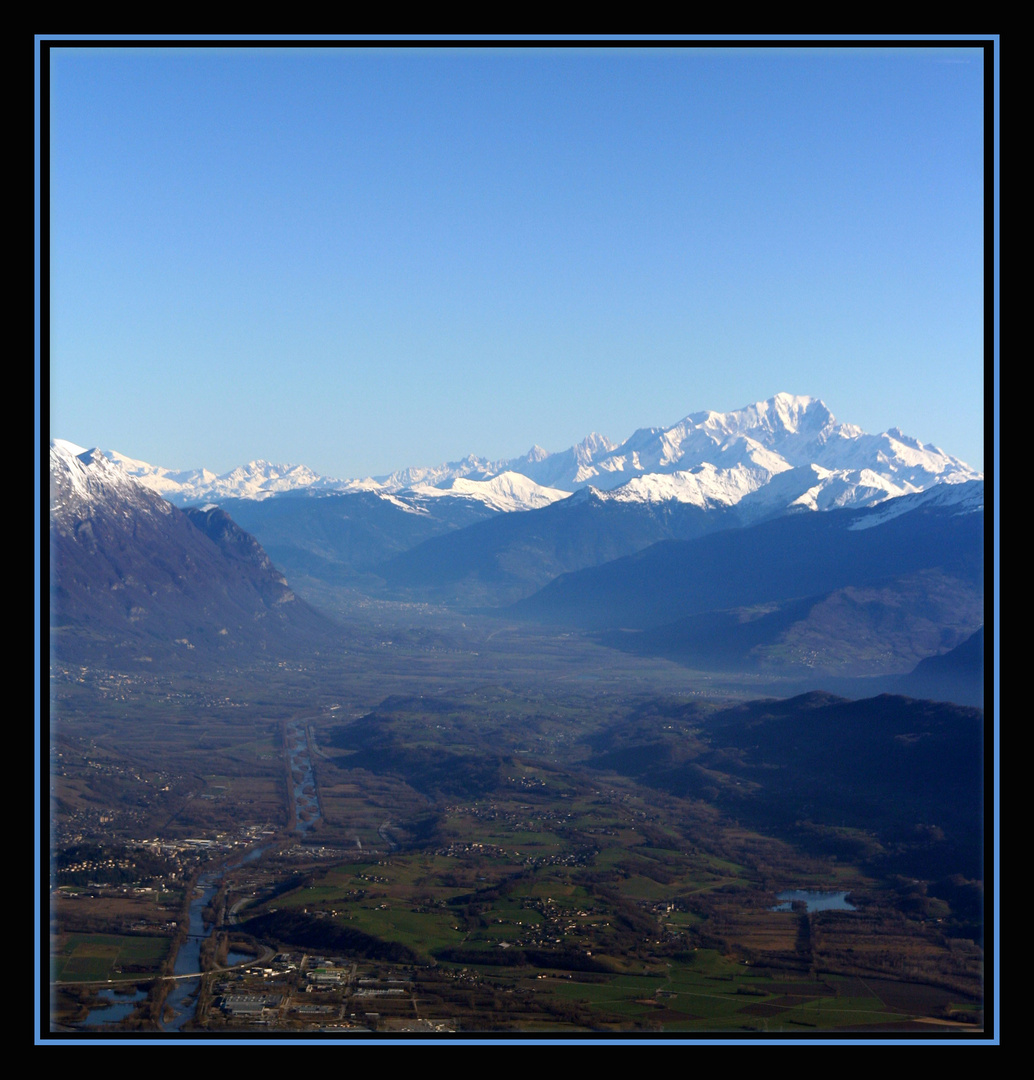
(361, 259)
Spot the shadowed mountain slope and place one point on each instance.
(129, 570)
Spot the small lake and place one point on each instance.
(814, 900)
(116, 1007)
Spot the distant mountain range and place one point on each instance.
(700, 542)
(709, 459)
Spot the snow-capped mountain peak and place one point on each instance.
(708, 458)
(81, 479)
(65, 447)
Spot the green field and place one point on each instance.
(102, 957)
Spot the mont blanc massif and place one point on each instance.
(677, 735)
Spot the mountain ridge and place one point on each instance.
(707, 458)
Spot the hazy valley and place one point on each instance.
(529, 745)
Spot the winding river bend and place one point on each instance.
(188, 958)
(182, 998)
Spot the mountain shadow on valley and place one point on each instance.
(389, 742)
(894, 781)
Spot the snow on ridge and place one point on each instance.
(256, 480)
(508, 492)
(82, 467)
(478, 468)
(409, 508)
(591, 445)
(707, 458)
(966, 496)
(81, 479)
(68, 447)
(704, 486)
(842, 489)
(790, 428)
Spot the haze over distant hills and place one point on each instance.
(704, 538)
